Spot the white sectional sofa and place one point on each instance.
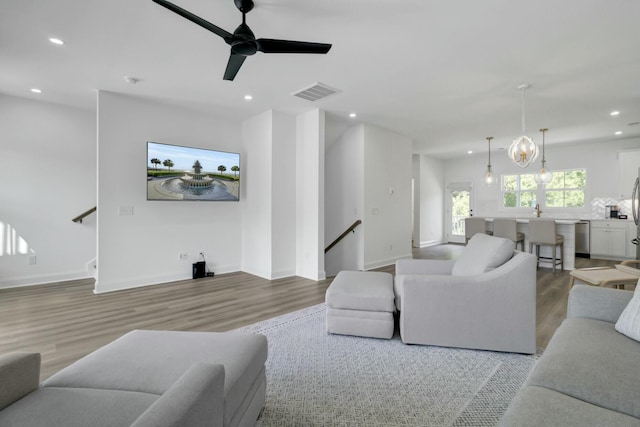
(589, 372)
(142, 379)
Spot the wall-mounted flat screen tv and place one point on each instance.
(185, 173)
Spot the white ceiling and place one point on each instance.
(444, 73)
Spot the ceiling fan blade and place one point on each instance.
(195, 19)
(233, 66)
(290, 46)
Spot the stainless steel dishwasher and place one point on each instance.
(582, 239)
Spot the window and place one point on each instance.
(519, 190)
(566, 189)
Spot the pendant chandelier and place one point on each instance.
(489, 179)
(545, 175)
(523, 150)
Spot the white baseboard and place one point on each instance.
(385, 262)
(43, 279)
(431, 243)
(282, 274)
(103, 286)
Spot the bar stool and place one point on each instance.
(542, 232)
(508, 228)
(474, 225)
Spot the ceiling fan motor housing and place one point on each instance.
(244, 5)
(244, 41)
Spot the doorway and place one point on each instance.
(459, 206)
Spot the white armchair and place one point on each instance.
(485, 300)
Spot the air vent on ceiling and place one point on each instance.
(315, 91)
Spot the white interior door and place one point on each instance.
(459, 206)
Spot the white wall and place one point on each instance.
(432, 193)
(387, 197)
(600, 160)
(48, 176)
(344, 201)
(310, 152)
(144, 248)
(415, 200)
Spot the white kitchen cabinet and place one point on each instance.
(629, 162)
(632, 231)
(608, 239)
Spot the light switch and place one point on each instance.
(126, 211)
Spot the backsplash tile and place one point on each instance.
(599, 204)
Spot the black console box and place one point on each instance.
(199, 270)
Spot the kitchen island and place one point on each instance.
(565, 227)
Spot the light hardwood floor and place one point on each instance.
(66, 321)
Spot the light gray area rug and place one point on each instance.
(318, 379)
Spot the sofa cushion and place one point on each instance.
(588, 360)
(536, 406)
(483, 253)
(361, 290)
(77, 407)
(151, 361)
(629, 321)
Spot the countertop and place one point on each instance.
(526, 220)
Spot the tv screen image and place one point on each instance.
(177, 172)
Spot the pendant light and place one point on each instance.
(545, 175)
(489, 179)
(523, 150)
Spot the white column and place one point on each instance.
(310, 242)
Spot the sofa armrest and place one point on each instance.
(196, 399)
(597, 303)
(424, 266)
(19, 376)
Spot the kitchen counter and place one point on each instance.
(558, 221)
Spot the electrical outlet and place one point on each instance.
(183, 256)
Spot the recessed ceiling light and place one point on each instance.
(619, 132)
(352, 115)
(56, 41)
(615, 113)
(36, 90)
(470, 152)
(248, 97)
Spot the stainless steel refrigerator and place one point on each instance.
(635, 208)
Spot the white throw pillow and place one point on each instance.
(483, 253)
(629, 321)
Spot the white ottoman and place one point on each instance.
(361, 303)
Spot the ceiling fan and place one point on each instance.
(243, 42)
